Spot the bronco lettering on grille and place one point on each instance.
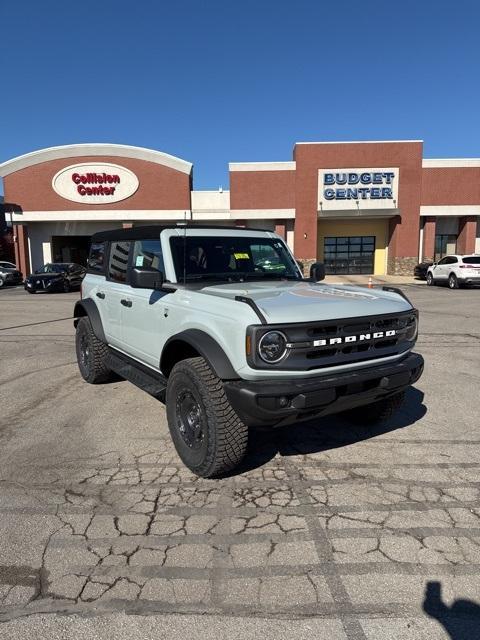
(360, 338)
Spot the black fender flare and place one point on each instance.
(207, 347)
(87, 307)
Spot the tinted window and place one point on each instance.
(443, 261)
(96, 259)
(472, 259)
(148, 255)
(118, 262)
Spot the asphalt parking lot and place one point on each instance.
(329, 531)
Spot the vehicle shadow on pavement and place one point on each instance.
(461, 620)
(323, 434)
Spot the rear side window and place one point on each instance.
(472, 260)
(118, 261)
(147, 254)
(96, 259)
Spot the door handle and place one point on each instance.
(100, 295)
(126, 303)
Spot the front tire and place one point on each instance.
(452, 281)
(207, 433)
(2, 282)
(430, 280)
(91, 354)
(377, 412)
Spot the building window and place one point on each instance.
(444, 244)
(118, 262)
(349, 255)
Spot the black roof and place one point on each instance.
(153, 231)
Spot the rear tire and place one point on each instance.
(207, 433)
(377, 412)
(452, 281)
(91, 354)
(430, 280)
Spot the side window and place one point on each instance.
(118, 261)
(96, 259)
(148, 255)
(453, 260)
(443, 261)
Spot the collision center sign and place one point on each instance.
(95, 183)
(359, 189)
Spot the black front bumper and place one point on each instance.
(49, 286)
(276, 403)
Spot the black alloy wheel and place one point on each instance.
(92, 354)
(189, 419)
(207, 433)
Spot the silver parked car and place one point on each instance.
(9, 274)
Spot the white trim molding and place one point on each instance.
(113, 215)
(94, 149)
(361, 142)
(262, 166)
(437, 163)
(261, 213)
(454, 210)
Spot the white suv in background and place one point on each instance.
(455, 271)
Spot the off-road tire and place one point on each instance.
(92, 367)
(452, 281)
(224, 436)
(377, 412)
(430, 280)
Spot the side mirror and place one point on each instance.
(434, 264)
(146, 279)
(317, 271)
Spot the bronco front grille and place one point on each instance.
(339, 342)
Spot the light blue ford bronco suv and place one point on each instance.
(221, 325)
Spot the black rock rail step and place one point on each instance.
(138, 374)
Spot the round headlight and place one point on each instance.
(272, 347)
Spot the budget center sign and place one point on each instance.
(358, 189)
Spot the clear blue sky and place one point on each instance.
(215, 81)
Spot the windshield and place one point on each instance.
(472, 260)
(232, 258)
(54, 268)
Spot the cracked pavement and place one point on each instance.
(328, 529)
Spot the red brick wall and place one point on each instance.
(310, 158)
(451, 185)
(160, 187)
(262, 189)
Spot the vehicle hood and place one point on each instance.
(44, 276)
(307, 301)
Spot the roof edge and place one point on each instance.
(93, 149)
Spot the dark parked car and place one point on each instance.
(9, 274)
(57, 276)
(420, 270)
